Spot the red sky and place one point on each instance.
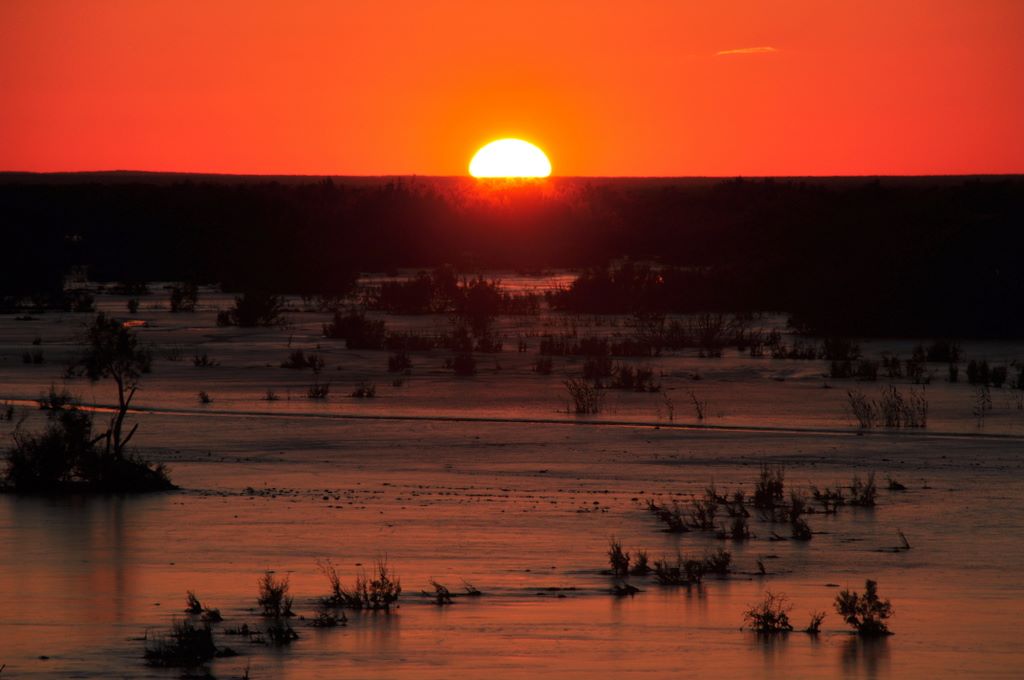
(636, 87)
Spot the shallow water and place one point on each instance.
(523, 510)
(516, 511)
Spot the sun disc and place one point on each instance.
(509, 158)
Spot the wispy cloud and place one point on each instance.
(747, 50)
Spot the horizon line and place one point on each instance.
(44, 173)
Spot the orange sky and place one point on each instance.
(636, 87)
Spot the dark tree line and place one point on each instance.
(893, 256)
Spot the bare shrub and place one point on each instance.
(863, 492)
(299, 360)
(678, 572)
(700, 406)
(319, 390)
(442, 595)
(202, 360)
(862, 408)
(325, 617)
(586, 397)
(184, 297)
(982, 403)
(891, 409)
(717, 562)
(768, 490)
(866, 613)
(770, 616)
(640, 564)
(365, 390)
(840, 349)
(672, 516)
(280, 632)
(356, 330)
(829, 497)
(380, 592)
(192, 604)
(739, 529)
(618, 558)
(253, 308)
(703, 512)
(462, 363)
(187, 646)
(814, 625)
(274, 599)
(399, 362)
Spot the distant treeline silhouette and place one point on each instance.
(899, 256)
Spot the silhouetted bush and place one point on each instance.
(319, 390)
(79, 301)
(678, 572)
(944, 351)
(65, 458)
(618, 558)
(274, 600)
(866, 613)
(187, 646)
(298, 360)
(442, 596)
(768, 491)
(399, 363)
(739, 529)
(194, 607)
(717, 562)
(640, 565)
(892, 409)
(863, 493)
(364, 390)
(702, 513)
(770, 616)
(978, 372)
(356, 330)
(280, 632)
(596, 368)
(462, 363)
(892, 365)
(380, 592)
(840, 349)
(866, 370)
(800, 350)
(35, 357)
(253, 308)
(184, 298)
(671, 515)
(410, 342)
(192, 604)
(829, 497)
(326, 618)
(626, 377)
(586, 397)
(203, 360)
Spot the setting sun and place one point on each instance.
(510, 158)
